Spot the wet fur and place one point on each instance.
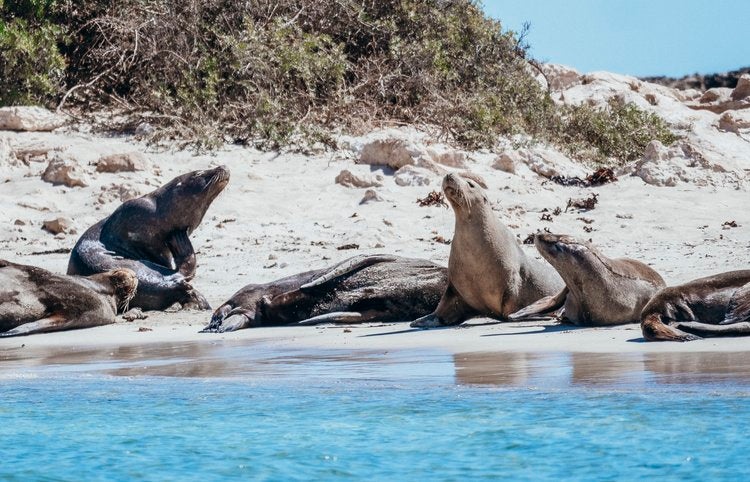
(393, 289)
(717, 305)
(29, 294)
(149, 235)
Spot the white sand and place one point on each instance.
(287, 207)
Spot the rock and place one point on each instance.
(548, 162)
(118, 192)
(126, 162)
(144, 129)
(683, 162)
(742, 90)
(507, 161)
(413, 176)
(66, 172)
(394, 152)
(561, 77)
(28, 118)
(19, 222)
(7, 158)
(349, 179)
(57, 225)
(371, 196)
(722, 99)
(446, 156)
(715, 94)
(735, 121)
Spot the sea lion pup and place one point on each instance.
(599, 291)
(488, 272)
(360, 289)
(717, 305)
(149, 235)
(33, 300)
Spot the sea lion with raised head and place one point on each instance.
(34, 300)
(488, 272)
(717, 305)
(150, 235)
(599, 291)
(367, 288)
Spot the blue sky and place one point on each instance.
(636, 37)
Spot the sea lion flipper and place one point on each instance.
(347, 266)
(51, 323)
(183, 253)
(707, 329)
(542, 306)
(335, 317)
(739, 306)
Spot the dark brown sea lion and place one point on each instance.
(149, 235)
(488, 272)
(717, 305)
(360, 289)
(33, 300)
(599, 291)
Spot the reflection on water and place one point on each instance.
(254, 360)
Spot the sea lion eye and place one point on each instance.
(471, 184)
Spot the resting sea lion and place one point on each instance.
(488, 272)
(599, 291)
(33, 300)
(717, 305)
(359, 289)
(149, 235)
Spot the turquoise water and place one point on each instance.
(378, 416)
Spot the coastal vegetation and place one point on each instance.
(276, 73)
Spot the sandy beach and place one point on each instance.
(284, 213)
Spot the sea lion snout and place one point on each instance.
(125, 283)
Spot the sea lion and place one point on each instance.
(488, 272)
(34, 300)
(717, 305)
(360, 289)
(599, 291)
(149, 235)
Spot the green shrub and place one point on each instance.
(620, 131)
(31, 66)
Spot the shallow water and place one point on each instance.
(207, 411)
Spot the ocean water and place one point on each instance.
(232, 411)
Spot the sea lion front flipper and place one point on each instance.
(335, 317)
(183, 253)
(347, 266)
(451, 310)
(51, 323)
(741, 328)
(542, 306)
(739, 306)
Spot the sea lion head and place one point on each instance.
(464, 193)
(563, 251)
(185, 199)
(124, 283)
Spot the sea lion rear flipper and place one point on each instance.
(542, 306)
(51, 323)
(346, 267)
(741, 328)
(739, 306)
(183, 253)
(335, 317)
(654, 329)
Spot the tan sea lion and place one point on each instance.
(34, 300)
(599, 291)
(365, 288)
(488, 272)
(717, 305)
(150, 235)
